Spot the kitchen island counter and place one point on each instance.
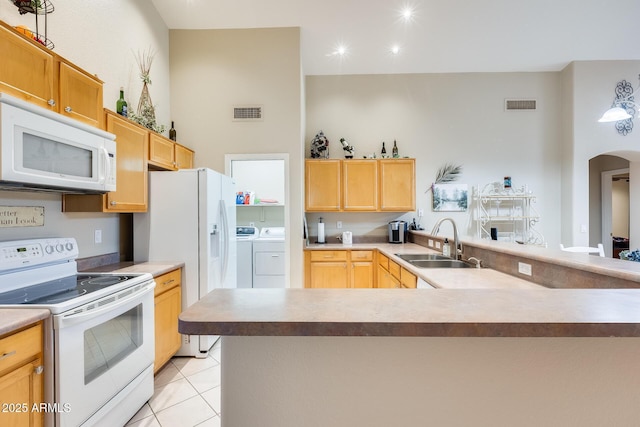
(416, 312)
(380, 357)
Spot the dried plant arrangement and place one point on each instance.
(146, 113)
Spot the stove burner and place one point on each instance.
(18, 296)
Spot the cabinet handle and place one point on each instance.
(113, 203)
(328, 256)
(167, 282)
(67, 109)
(5, 355)
(39, 369)
(51, 103)
(275, 256)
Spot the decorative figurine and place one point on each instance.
(320, 146)
(348, 148)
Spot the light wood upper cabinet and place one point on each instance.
(165, 154)
(132, 144)
(80, 95)
(161, 152)
(360, 185)
(184, 157)
(31, 72)
(26, 69)
(21, 377)
(322, 185)
(397, 185)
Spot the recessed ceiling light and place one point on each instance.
(395, 49)
(407, 13)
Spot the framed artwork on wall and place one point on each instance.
(450, 197)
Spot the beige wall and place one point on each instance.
(214, 70)
(444, 118)
(102, 37)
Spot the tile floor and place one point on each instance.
(187, 394)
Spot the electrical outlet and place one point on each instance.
(97, 236)
(437, 245)
(420, 213)
(339, 224)
(524, 268)
(430, 243)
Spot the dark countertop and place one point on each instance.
(416, 313)
(154, 268)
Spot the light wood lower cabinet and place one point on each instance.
(21, 377)
(168, 301)
(339, 269)
(388, 272)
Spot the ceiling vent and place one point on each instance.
(247, 113)
(520, 104)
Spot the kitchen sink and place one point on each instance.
(440, 263)
(422, 257)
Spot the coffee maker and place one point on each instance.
(398, 232)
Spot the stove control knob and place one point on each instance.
(69, 246)
(59, 247)
(48, 249)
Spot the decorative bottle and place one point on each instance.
(394, 150)
(172, 133)
(383, 152)
(121, 104)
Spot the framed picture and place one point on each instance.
(450, 197)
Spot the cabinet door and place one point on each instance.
(168, 339)
(397, 185)
(26, 70)
(161, 152)
(359, 185)
(131, 175)
(362, 274)
(80, 95)
(408, 279)
(329, 275)
(386, 279)
(23, 387)
(184, 157)
(322, 185)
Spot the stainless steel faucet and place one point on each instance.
(456, 242)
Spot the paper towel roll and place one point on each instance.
(320, 232)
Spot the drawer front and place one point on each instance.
(383, 261)
(394, 269)
(168, 281)
(328, 256)
(20, 347)
(268, 264)
(361, 255)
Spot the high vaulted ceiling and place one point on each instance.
(442, 36)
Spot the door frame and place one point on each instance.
(606, 186)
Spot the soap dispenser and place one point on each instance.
(446, 249)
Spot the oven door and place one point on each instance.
(100, 348)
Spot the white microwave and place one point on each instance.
(44, 151)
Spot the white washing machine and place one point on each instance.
(244, 238)
(268, 258)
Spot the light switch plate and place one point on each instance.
(437, 245)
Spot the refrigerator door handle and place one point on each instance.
(225, 236)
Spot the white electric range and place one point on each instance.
(99, 341)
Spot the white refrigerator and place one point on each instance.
(191, 218)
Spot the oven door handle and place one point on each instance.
(75, 318)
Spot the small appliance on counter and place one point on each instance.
(398, 232)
